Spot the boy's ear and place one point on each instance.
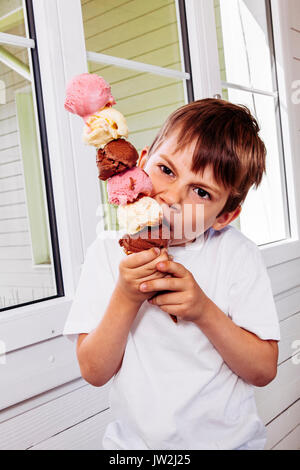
(226, 218)
(143, 157)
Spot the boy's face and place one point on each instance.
(191, 202)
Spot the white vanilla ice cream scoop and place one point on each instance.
(142, 213)
(104, 126)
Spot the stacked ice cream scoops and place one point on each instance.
(129, 187)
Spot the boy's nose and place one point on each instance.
(172, 198)
(171, 203)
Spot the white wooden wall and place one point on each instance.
(74, 415)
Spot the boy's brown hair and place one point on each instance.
(226, 137)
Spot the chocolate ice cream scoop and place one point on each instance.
(118, 155)
(145, 239)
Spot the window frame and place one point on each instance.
(30, 44)
(275, 95)
(207, 83)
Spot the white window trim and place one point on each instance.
(249, 89)
(207, 83)
(134, 65)
(203, 48)
(18, 41)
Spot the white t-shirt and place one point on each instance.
(173, 390)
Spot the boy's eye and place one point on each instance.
(165, 169)
(202, 193)
(199, 191)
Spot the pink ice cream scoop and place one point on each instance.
(87, 93)
(126, 186)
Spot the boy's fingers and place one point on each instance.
(165, 251)
(138, 259)
(172, 267)
(155, 275)
(150, 267)
(169, 298)
(165, 283)
(173, 310)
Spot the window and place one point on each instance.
(248, 74)
(140, 48)
(26, 214)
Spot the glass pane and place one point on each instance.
(12, 17)
(263, 216)
(243, 43)
(137, 30)
(26, 268)
(146, 100)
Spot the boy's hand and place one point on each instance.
(137, 268)
(186, 299)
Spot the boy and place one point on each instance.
(187, 385)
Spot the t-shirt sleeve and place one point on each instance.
(93, 292)
(251, 301)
